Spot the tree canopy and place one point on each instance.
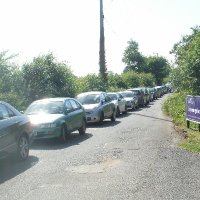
(46, 77)
(135, 61)
(186, 76)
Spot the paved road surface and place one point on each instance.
(134, 158)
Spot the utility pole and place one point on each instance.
(102, 62)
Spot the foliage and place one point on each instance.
(134, 79)
(14, 99)
(187, 53)
(175, 107)
(116, 82)
(158, 67)
(46, 77)
(6, 72)
(91, 82)
(133, 59)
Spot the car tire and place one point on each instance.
(126, 110)
(118, 112)
(101, 118)
(113, 117)
(82, 130)
(133, 108)
(23, 148)
(63, 134)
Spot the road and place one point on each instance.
(136, 157)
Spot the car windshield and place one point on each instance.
(45, 107)
(113, 96)
(89, 99)
(127, 94)
(135, 92)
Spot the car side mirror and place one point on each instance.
(103, 101)
(67, 110)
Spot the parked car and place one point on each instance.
(119, 101)
(140, 94)
(56, 118)
(151, 94)
(98, 106)
(159, 91)
(131, 99)
(15, 132)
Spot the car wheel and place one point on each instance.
(118, 112)
(113, 117)
(126, 110)
(83, 128)
(23, 148)
(101, 118)
(63, 134)
(133, 108)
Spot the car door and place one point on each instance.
(121, 102)
(78, 114)
(108, 106)
(8, 130)
(69, 115)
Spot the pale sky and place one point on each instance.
(70, 29)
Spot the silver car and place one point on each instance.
(131, 99)
(98, 106)
(119, 101)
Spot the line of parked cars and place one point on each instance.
(58, 117)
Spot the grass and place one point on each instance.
(175, 108)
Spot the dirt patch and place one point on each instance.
(96, 168)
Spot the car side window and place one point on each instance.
(74, 104)
(11, 113)
(120, 96)
(103, 97)
(3, 112)
(68, 106)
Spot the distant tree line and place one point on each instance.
(45, 77)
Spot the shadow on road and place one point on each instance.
(106, 123)
(10, 168)
(54, 144)
(152, 117)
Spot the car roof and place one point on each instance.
(126, 91)
(134, 89)
(91, 92)
(53, 99)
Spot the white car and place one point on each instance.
(131, 100)
(119, 101)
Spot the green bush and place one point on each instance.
(175, 107)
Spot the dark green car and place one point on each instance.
(56, 118)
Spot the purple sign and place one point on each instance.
(193, 108)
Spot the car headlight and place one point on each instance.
(50, 125)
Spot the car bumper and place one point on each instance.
(91, 118)
(46, 133)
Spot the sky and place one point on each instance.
(70, 29)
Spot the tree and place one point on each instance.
(133, 59)
(11, 82)
(91, 82)
(158, 67)
(46, 77)
(187, 54)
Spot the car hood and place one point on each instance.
(88, 107)
(44, 118)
